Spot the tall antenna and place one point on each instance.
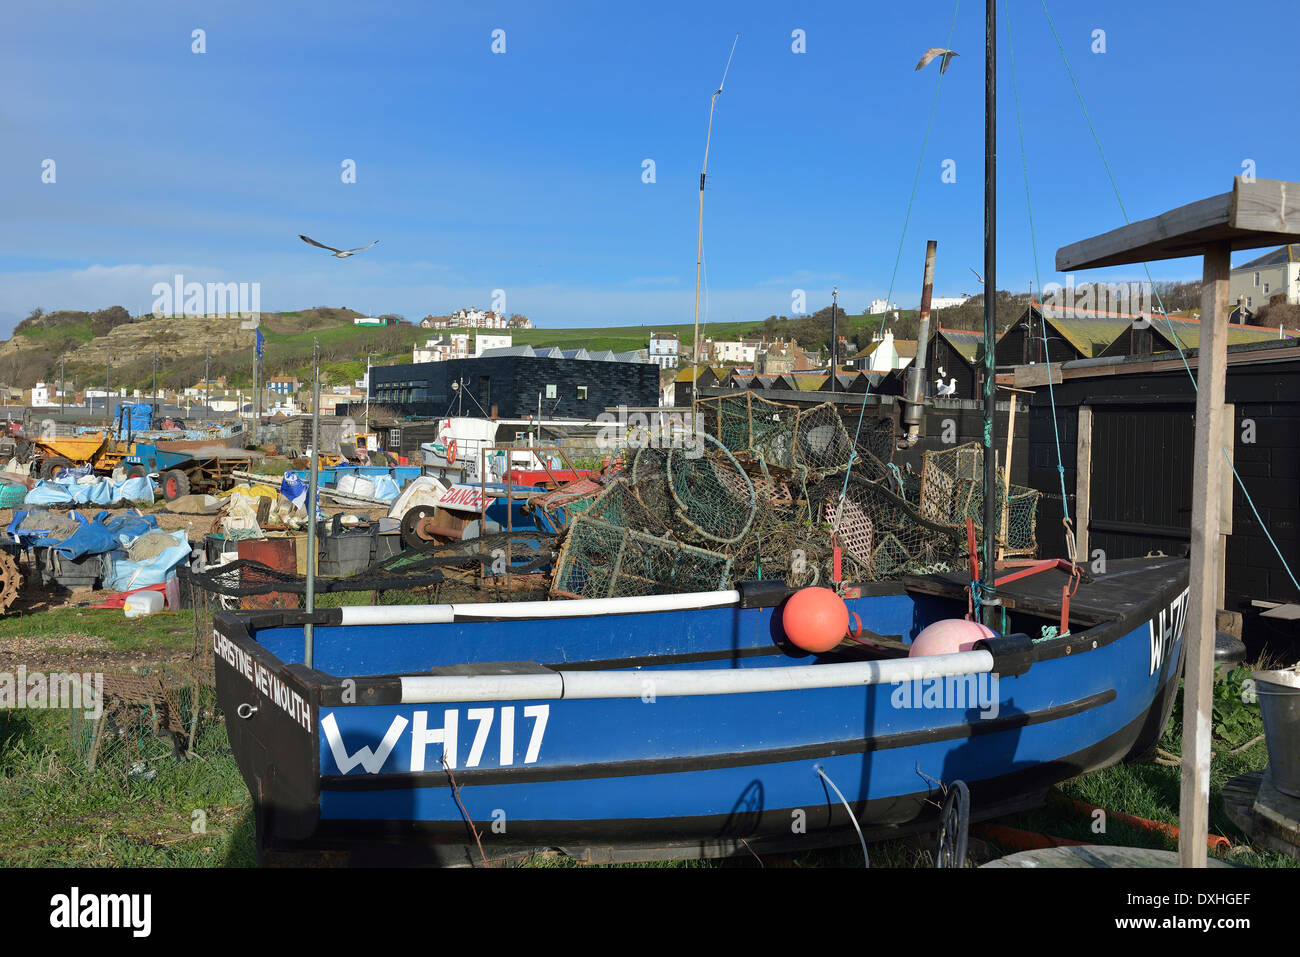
(699, 248)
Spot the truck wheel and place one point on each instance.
(51, 466)
(175, 483)
(136, 471)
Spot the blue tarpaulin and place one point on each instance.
(103, 534)
(123, 575)
(138, 416)
(103, 492)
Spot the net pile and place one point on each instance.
(146, 715)
(769, 491)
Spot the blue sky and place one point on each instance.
(522, 171)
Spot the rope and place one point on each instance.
(893, 276)
(1033, 245)
(1173, 336)
(866, 861)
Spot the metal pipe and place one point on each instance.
(308, 630)
(914, 401)
(991, 503)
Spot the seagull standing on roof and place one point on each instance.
(338, 253)
(933, 52)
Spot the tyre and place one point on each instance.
(175, 483)
(51, 466)
(136, 471)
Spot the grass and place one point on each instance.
(56, 813)
(165, 630)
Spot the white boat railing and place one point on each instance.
(577, 608)
(640, 683)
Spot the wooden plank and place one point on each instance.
(1254, 214)
(1265, 205)
(1083, 483)
(1037, 374)
(1226, 487)
(1207, 475)
(1137, 242)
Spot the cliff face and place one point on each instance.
(173, 337)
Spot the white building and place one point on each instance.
(880, 306)
(744, 350)
(472, 319)
(42, 396)
(1273, 274)
(664, 349)
(442, 348)
(483, 343)
(947, 302)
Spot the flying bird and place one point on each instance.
(978, 278)
(338, 253)
(933, 52)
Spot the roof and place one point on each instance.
(1189, 333)
(807, 383)
(687, 373)
(969, 345)
(1278, 257)
(1088, 334)
(905, 347)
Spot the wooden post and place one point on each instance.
(1082, 484)
(1207, 476)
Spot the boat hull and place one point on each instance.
(630, 776)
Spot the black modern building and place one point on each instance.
(514, 386)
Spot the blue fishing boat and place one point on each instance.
(681, 725)
(691, 689)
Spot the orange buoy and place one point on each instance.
(947, 637)
(451, 452)
(815, 619)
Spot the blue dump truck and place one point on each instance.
(180, 473)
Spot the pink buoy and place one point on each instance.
(815, 619)
(948, 637)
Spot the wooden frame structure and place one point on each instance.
(1255, 213)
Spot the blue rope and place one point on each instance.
(1033, 245)
(1173, 336)
(853, 453)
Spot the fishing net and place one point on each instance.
(145, 715)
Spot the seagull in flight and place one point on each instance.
(933, 52)
(338, 253)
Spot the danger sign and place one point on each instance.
(465, 498)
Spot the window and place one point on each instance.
(582, 392)
(1266, 289)
(1256, 279)
(550, 391)
(1249, 302)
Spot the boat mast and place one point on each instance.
(990, 298)
(699, 246)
